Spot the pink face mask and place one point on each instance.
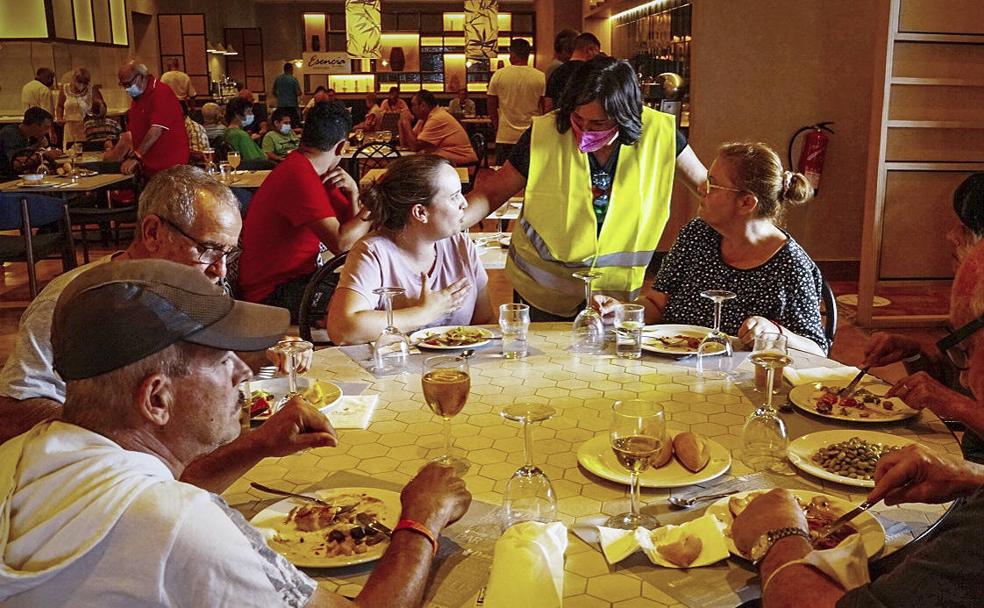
(592, 141)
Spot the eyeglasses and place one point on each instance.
(708, 186)
(951, 347)
(208, 253)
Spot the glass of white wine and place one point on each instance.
(764, 436)
(636, 433)
(233, 158)
(446, 383)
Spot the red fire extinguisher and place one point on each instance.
(814, 148)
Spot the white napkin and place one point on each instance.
(352, 412)
(619, 544)
(838, 376)
(847, 563)
(528, 555)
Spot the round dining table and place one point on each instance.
(403, 435)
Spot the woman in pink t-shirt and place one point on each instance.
(416, 210)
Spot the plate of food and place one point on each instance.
(450, 337)
(845, 456)
(677, 340)
(310, 535)
(867, 404)
(820, 510)
(685, 460)
(265, 394)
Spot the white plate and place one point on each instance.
(596, 455)
(417, 338)
(805, 397)
(272, 523)
(872, 532)
(505, 241)
(802, 450)
(651, 344)
(278, 387)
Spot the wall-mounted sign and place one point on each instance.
(327, 63)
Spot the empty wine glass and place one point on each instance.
(529, 495)
(636, 433)
(764, 436)
(446, 383)
(589, 330)
(291, 351)
(392, 348)
(716, 343)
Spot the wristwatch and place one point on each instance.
(765, 542)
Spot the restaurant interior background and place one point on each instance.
(758, 70)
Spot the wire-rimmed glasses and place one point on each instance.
(529, 495)
(392, 348)
(588, 329)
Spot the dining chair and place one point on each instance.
(25, 213)
(828, 311)
(374, 155)
(314, 304)
(481, 151)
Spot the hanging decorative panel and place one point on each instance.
(481, 29)
(362, 28)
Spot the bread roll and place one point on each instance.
(663, 456)
(691, 450)
(683, 552)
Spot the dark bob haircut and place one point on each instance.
(237, 107)
(613, 84)
(326, 124)
(968, 203)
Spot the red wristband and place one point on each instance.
(419, 528)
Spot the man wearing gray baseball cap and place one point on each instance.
(91, 512)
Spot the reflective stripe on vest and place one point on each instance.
(557, 233)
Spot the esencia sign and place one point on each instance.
(327, 63)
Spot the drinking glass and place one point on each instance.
(208, 155)
(716, 343)
(234, 159)
(291, 351)
(446, 383)
(392, 348)
(589, 330)
(529, 495)
(629, 321)
(514, 321)
(225, 173)
(636, 433)
(764, 436)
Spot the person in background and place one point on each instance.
(598, 175)
(212, 115)
(586, 47)
(135, 419)
(331, 95)
(239, 115)
(197, 135)
(736, 243)
(416, 210)
(281, 139)
(514, 97)
(37, 93)
(261, 131)
(393, 103)
(75, 101)
(179, 82)
(287, 92)
(22, 146)
(99, 128)
(320, 95)
(374, 113)
(461, 105)
(436, 131)
(155, 122)
(307, 201)
(563, 48)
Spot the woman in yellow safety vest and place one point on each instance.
(598, 174)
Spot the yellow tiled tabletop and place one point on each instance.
(404, 434)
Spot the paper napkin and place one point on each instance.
(619, 544)
(528, 567)
(837, 376)
(352, 412)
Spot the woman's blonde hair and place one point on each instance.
(758, 170)
(408, 181)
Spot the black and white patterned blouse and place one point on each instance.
(785, 289)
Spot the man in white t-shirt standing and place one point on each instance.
(514, 97)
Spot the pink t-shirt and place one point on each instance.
(375, 261)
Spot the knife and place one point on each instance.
(848, 390)
(369, 521)
(843, 519)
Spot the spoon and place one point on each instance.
(686, 503)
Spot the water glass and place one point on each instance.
(628, 330)
(514, 321)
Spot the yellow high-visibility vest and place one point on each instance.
(557, 234)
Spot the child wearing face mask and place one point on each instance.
(280, 140)
(239, 115)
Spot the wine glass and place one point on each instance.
(392, 348)
(637, 432)
(716, 342)
(529, 495)
(234, 159)
(446, 383)
(764, 436)
(589, 331)
(291, 350)
(208, 154)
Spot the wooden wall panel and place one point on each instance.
(922, 60)
(169, 27)
(937, 103)
(935, 145)
(247, 66)
(941, 16)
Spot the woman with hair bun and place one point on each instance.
(416, 211)
(736, 243)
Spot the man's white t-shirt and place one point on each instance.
(518, 89)
(36, 94)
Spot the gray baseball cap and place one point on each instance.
(123, 311)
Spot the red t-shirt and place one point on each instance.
(158, 105)
(277, 245)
